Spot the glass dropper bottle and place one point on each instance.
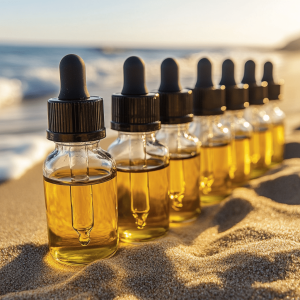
(215, 138)
(79, 176)
(142, 162)
(276, 114)
(241, 130)
(256, 114)
(176, 108)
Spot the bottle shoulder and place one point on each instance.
(180, 144)
(238, 125)
(212, 133)
(258, 117)
(90, 163)
(126, 145)
(139, 153)
(277, 115)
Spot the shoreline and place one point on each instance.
(245, 247)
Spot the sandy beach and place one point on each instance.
(247, 247)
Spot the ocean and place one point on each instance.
(29, 76)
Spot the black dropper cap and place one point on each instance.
(257, 93)
(207, 100)
(75, 116)
(176, 105)
(236, 97)
(135, 110)
(273, 88)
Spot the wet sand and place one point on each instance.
(247, 247)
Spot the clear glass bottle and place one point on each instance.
(277, 119)
(276, 114)
(142, 162)
(79, 177)
(261, 141)
(241, 130)
(143, 171)
(184, 171)
(216, 151)
(176, 107)
(81, 202)
(216, 171)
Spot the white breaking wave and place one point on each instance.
(10, 91)
(19, 153)
(23, 140)
(22, 127)
(35, 80)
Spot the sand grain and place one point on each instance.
(247, 247)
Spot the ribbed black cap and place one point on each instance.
(236, 97)
(135, 110)
(176, 105)
(207, 100)
(74, 116)
(273, 88)
(258, 94)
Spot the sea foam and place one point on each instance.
(28, 73)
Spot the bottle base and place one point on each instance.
(207, 200)
(134, 235)
(81, 256)
(240, 180)
(276, 162)
(184, 217)
(256, 173)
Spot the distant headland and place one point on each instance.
(293, 45)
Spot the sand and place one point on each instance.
(247, 247)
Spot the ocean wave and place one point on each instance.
(105, 69)
(19, 153)
(22, 127)
(10, 91)
(41, 81)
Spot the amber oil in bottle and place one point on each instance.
(79, 177)
(176, 108)
(276, 114)
(142, 162)
(261, 141)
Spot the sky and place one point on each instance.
(155, 23)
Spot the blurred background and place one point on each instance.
(35, 35)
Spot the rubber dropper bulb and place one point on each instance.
(228, 73)
(268, 72)
(72, 78)
(249, 73)
(134, 77)
(204, 79)
(169, 76)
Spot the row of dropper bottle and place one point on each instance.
(174, 147)
(241, 133)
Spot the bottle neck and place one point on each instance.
(171, 128)
(274, 102)
(78, 146)
(259, 109)
(93, 144)
(206, 119)
(137, 135)
(236, 114)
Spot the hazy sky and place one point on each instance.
(149, 23)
